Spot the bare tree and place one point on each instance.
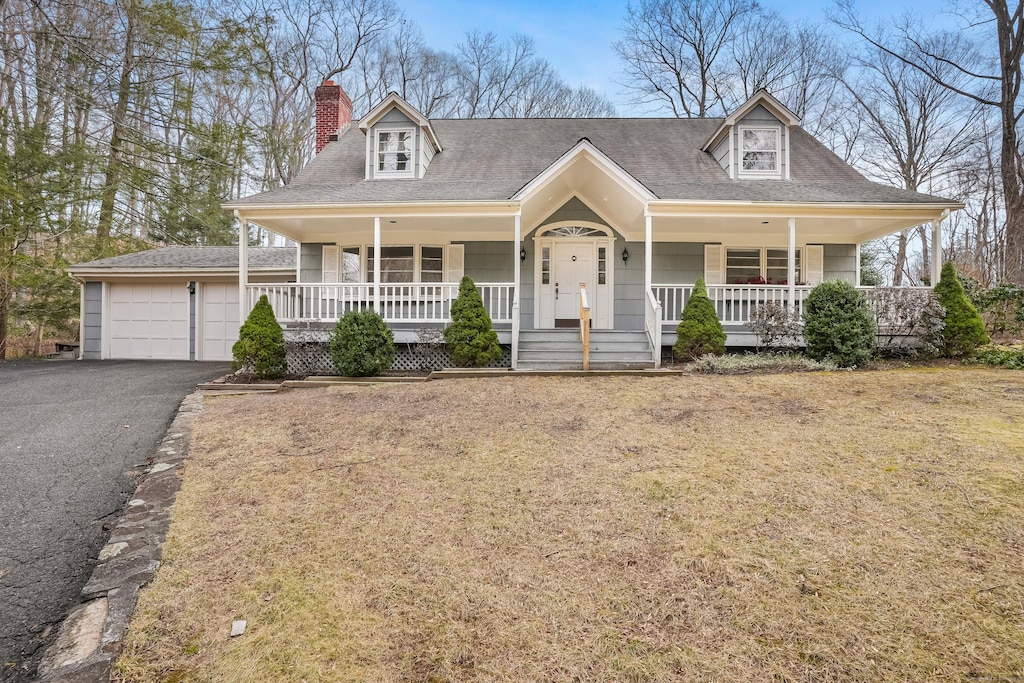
(674, 52)
(992, 78)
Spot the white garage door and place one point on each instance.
(220, 321)
(149, 321)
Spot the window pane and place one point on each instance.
(760, 147)
(396, 265)
(393, 151)
(431, 264)
(350, 264)
(777, 266)
(602, 266)
(545, 266)
(743, 266)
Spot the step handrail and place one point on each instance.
(585, 325)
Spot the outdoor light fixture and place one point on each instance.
(522, 253)
(625, 255)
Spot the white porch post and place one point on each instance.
(243, 268)
(857, 256)
(791, 264)
(517, 267)
(937, 250)
(376, 265)
(648, 251)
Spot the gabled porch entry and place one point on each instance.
(568, 256)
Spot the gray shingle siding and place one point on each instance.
(489, 261)
(573, 210)
(629, 286)
(840, 262)
(676, 262)
(92, 333)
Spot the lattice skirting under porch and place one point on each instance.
(309, 353)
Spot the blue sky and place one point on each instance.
(576, 35)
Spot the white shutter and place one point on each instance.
(330, 264)
(713, 271)
(456, 263)
(814, 263)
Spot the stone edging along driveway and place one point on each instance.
(90, 637)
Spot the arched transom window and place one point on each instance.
(574, 231)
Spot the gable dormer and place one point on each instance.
(753, 142)
(400, 142)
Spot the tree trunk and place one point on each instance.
(39, 341)
(1011, 167)
(5, 312)
(901, 260)
(112, 177)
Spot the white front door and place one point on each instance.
(573, 264)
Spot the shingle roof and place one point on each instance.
(196, 258)
(491, 159)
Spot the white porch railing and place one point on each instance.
(652, 325)
(734, 303)
(415, 302)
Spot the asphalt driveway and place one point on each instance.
(71, 435)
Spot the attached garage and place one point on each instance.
(174, 303)
(149, 321)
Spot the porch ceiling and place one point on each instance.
(757, 224)
(400, 224)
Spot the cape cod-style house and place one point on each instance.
(554, 219)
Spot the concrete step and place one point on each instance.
(551, 345)
(551, 355)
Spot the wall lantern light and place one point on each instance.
(522, 253)
(625, 255)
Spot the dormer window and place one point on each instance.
(759, 151)
(394, 153)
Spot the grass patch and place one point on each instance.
(741, 364)
(791, 527)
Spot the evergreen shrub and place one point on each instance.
(839, 327)
(362, 345)
(964, 330)
(471, 340)
(699, 332)
(260, 346)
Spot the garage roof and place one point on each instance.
(192, 259)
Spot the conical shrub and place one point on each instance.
(471, 340)
(699, 331)
(964, 330)
(260, 346)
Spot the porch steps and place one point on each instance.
(562, 350)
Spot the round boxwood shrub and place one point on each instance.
(362, 345)
(699, 331)
(260, 346)
(470, 339)
(964, 330)
(838, 324)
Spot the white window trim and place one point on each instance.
(375, 161)
(743, 173)
(801, 275)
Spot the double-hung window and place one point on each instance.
(407, 264)
(759, 266)
(394, 153)
(759, 151)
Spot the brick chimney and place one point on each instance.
(333, 112)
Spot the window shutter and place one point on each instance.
(713, 264)
(456, 263)
(814, 264)
(330, 264)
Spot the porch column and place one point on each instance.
(376, 264)
(648, 251)
(936, 251)
(517, 266)
(243, 268)
(791, 264)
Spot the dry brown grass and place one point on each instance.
(822, 527)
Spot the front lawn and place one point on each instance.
(799, 527)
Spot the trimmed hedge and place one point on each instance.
(362, 345)
(839, 327)
(260, 346)
(699, 331)
(471, 340)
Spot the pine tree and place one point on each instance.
(260, 346)
(699, 331)
(470, 339)
(964, 330)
